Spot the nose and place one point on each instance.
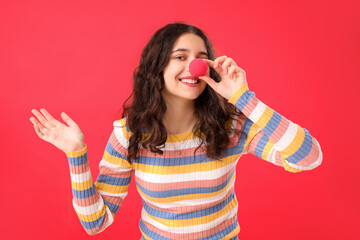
(188, 63)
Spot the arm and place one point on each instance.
(97, 203)
(274, 138)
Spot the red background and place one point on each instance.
(301, 59)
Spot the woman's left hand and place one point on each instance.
(232, 76)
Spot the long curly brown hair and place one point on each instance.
(147, 108)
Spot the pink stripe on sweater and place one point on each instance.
(312, 157)
(87, 201)
(114, 200)
(254, 142)
(80, 168)
(278, 159)
(117, 145)
(280, 130)
(119, 174)
(250, 106)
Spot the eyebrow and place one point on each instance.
(186, 50)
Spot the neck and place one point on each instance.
(180, 116)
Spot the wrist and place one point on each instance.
(79, 147)
(77, 151)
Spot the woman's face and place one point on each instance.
(179, 83)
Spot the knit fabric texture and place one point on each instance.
(187, 197)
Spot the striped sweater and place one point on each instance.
(185, 197)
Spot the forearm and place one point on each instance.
(88, 203)
(298, 149)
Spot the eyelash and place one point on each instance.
(177, 57)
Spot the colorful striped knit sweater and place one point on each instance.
(183, 197)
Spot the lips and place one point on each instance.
(190, 80)
(190, 77)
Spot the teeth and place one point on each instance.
(189, 81)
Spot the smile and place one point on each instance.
(187, 80)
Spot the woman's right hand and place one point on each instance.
(66, 138)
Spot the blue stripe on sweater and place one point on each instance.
(272, 124)
(111, 150)
(244, 99)
(304, 149)
(261, 145)
(93, 224)
(189, 215)
(77, 161)
(113, 207)
(81, 194)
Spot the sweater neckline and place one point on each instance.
(180, 136)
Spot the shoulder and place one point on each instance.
(121, 129)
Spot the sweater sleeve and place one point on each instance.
(274, 138)
(97, 203)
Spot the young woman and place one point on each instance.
(182, 137)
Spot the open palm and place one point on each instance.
(66, 138)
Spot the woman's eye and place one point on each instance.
(180, 57)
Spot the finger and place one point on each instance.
(240, 72)
(34, 121)
(37, 124)
(38, 132)
(232, 70)
(41, 118)
(209, 62)
(46, 114)
(226, 64)
(67, 119)
(212, 64)
(39, 129)
(219, 60)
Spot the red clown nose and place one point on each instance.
(198, 67)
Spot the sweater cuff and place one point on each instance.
(238, 93)
(74, 154)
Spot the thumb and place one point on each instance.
(67, 119)
(209, 81)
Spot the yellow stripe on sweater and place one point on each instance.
(232, 234)
(196, 221)
(295, 144)
(91, 217)
(238, 93)
(288, 168)
(81, 186)
(75, 154)
(265, 117)
(266, 151)
(116, 160)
